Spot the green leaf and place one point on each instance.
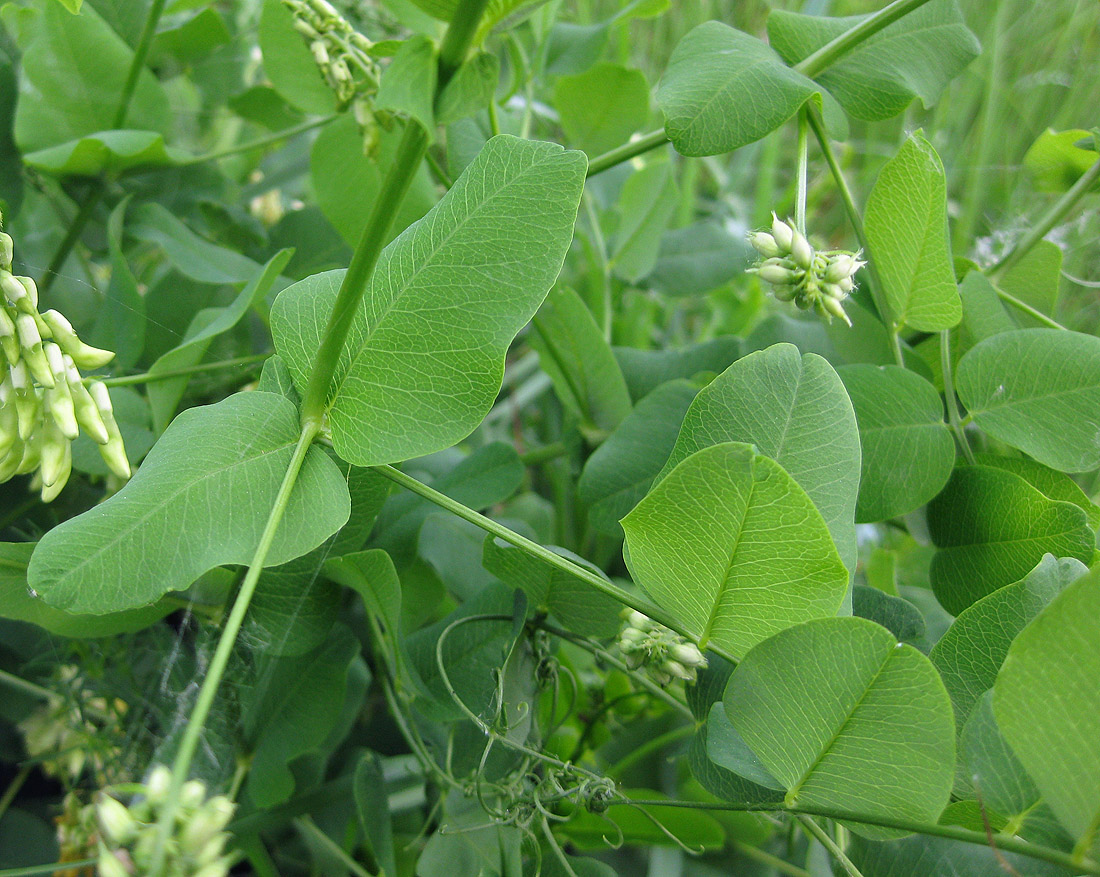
(906, 225)
(407, 85)
(1049, 482)
(19, 603)
(915, 56)
(577, 605)
(724, 88)
(191, 40)
(908, 452)
(425, 354)
(794, 409)
(165, 395)
(347, 182)
(602, 107)
(620, 471)
(728, 749)
(371, 574)
(1036, 279)
(107, 152)
(645, 370)
(73, 72)
(645, 208)
(1055, 162)
(200, 500)
(72, 5)
(120, 325)
(970, 654)
(983, 313)
(699, 258)
(731, 544)
(191, 254)
(294, 705)
(1030, 387)
(898, 616)
(921, 856)
(847, 718)
(574, 353)
(372, 806)
(992, 769)
(289, 64)
(1047, 705)
(991, 528)
(470, 90)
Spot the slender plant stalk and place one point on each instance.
(653, 744)
(950, 832)
(28, 687)
(1010, 299)
(831, 52)
(949, 394)
(627, 151)
(150, 377)
(831, 845)
(14, 786)
(781, 865)
(803, 168)
(1052, 217)
(545, 554)
(145, 42)
(218, 664)
(45, 870)
(92, 197)
(259, 142)
(309, 827)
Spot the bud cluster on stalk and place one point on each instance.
(196, 847)
(665, 655)
(343, 55)
(820, 280)
(44, 402)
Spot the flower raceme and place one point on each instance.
(799, 273)
(664, 654)
(44, 402)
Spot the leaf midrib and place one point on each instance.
(724, 586)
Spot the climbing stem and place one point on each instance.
(949, 394)
(541, 552)
(627, 151)
(218, 664)
(260, 142)
(803, 167)
(137, 63)
(150, 377)
(831, 845)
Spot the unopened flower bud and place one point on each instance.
(831, 307)
(13, 290)
(109, 865)
(677, 670)
(782, 234)
(784, 292)
(688, 654)
(211, 853)
(60, 409)
(775, 274)
(764, 244)
(115, 821)
(630, 637)
(839, 267)
(215, 869)
(306, 29)
(9, 428)
(802, 254)
(637, 620)
(7, 251)
(27, 329)
(192, 794)
(56, 456)
(208, 822)
(159, 782)
(320, 53)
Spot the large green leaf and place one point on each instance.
(923, 856)
(425, 354)
(601, 107)
(107, 152)
(1050, 482)
(915, 56)
(995, 773)
(908, 452)
(906, 223)
(724, 88)
(794, 409)
(1036, 279)
(1047, 703)
(574, 353)
(970, 654)
(847, 718)
(1055, 162)
(621, 470)
(289, 64)
(18, 602)
(408, 83)
(699, 258)
(645, 208)
(74, 69)
(991, 528)
(200, 500)
(1036, 389)
(646, 370)
(733, 546)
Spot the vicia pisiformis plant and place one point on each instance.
(494, 512)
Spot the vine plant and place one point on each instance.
(320, 575)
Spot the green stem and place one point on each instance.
(654, 744)
(856, 219)
(52, 868)
(535, 550)
(815, 64)
(544, 454)
(91, 201)
(145, 42)
(1049, 220)
(781, 865)
(441, 176)
(259, 142)
(803, 167)
(1010, 299)
(950, 832)
(831, 845)
(949, 394)
(603, 319)
(192, 733)
(308, 826)
(627, 151)
(14, 786)
(460, 35)
(150, 377)
(30, 688)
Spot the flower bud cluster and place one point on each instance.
(664, 654)
(799, 273)
(342, 54)
(128, 835)
(44, 402)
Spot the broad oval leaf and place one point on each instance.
(969, 655)
(200, 500)
(915, 56)
(847, 718)
(108, 152)
(906, 224)
(724, 88)
(908, 452)
(1039, 391)
(1047, 703)
(731, 544)
(794, 409)
(602, 107)
(991, 767)
(425, 354)
(991, 528)
(922, 855)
